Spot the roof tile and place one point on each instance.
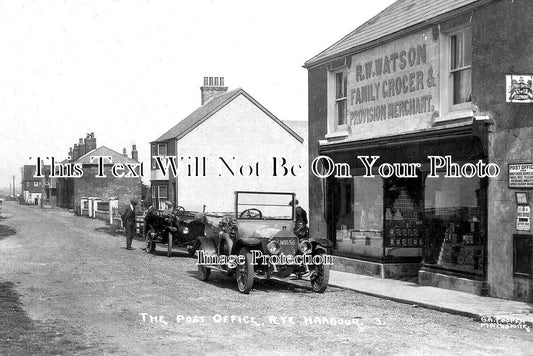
(400, 15)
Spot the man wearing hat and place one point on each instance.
(128, 220)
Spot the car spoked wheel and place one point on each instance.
(170, 243)
(150, 245)
(245, 272)
(204, 271)
(319, 278)
(191, 251)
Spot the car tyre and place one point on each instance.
(150, 245)
(191, 250)
(170, 242)
(245, 272)
(204, 272)
(320, 278)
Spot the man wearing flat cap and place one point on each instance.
(128, 220)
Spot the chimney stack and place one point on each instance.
(134, 153)
(124, 153)
(90, 142)
(213, 86)
(81, 147)
(70, 154)
(75, 152)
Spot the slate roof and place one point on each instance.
(207, 110)
(104, 151)
(400, 15)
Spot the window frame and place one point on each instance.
(447, 73)
(341, 98)
(334, 128)
(160, 199)
(156, 151)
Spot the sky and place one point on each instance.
(130, 70)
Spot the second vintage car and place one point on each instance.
(258, 241)
(177, 229)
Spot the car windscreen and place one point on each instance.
(274, 206)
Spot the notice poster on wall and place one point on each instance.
(521, 175)
(523, 220)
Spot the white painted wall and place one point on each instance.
(243, 131)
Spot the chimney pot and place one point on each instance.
(213, 87)
(134, 153)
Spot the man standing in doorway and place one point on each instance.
(128, 220)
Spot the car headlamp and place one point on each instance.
(305, 247)
(185, 230)
(273, 247)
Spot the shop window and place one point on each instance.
(455, 231)
(358, 212)
(456, 70)
(404, 212)
(341, 83)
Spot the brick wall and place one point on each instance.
(124, 189)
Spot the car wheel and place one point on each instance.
(245, 272)
(320, 278)
(150, 245)
(204, 272)
(170, 242)
(191, 250)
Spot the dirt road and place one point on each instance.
(69, 287)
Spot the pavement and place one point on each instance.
(485, 309)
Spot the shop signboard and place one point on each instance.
(393, 88)
(521, 175)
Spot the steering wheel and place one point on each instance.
(179, 210)
(251, 214)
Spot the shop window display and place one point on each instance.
(358, 207)
(404, 212)
(454, 224)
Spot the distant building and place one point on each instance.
(122, 188)
(229, 143)
(71, 191)
(32, 188)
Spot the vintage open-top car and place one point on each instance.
(259, 241)
(176, 229)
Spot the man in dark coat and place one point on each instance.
(128, 220)
(300, 220)
(300, 216)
